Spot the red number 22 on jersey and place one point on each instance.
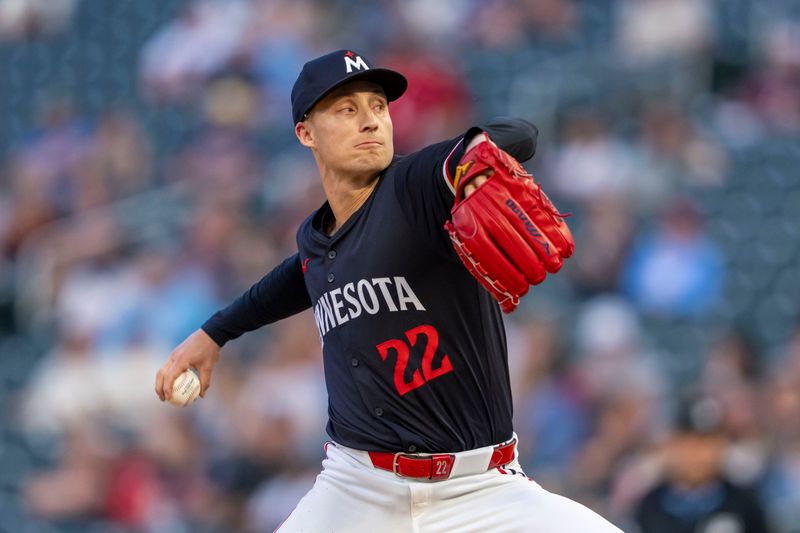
(402, 348)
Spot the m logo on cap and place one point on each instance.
(358, 63)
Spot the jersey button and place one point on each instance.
(412, 448)
(354, 361)
(331, 277)
(378, 411)
(332, 254)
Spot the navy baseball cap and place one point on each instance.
(322, 75)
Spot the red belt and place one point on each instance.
(434, 466)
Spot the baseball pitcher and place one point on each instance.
(407, 267)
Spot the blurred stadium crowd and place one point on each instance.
(149, 174)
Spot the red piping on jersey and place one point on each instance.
(446, 167)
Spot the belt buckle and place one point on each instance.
(395, 471)
(441, 465)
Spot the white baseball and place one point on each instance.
(186, 388)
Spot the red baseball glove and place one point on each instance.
(507, 232)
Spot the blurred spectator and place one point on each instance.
(736, 123)
(176, 61)
(284, 388)
(279, 37)
(120, 154)
(436, 105)
(549, 24)
(773, 90)
(154, 299)
(77, 487)
(168, 297)
(550, 415)
(56, 397)
(552, 22)
(623, 388)
(31, 207)
(652, 30)
(731, 361)
(25, 19)
(231, 101)
(431, 22)
(160, 481)
(67, 166)
(622, 427)
(732, 373)
(221, 164)
(782, 411)
(276, 430)
(610, 352)
(43, 170)
(227, 247)
(602, 240)
(591, 161)
(494, 14)
(272, 502)
(676, 155)
(664, 47)
(73, 386)
(675, 270)
(695, 496)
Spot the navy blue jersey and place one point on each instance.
(414, 348)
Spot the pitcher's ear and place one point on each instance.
(303, 131)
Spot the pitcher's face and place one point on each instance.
(350, 130)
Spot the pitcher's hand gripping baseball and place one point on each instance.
(507, 232)
(198, 351)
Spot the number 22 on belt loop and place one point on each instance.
(403, 349)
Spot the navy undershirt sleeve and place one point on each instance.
(514, 135)
(278, 295)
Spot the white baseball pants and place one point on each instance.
(352, 496)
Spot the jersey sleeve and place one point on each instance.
(424, 184)
(278, 295)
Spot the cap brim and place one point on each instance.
(393, 84)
